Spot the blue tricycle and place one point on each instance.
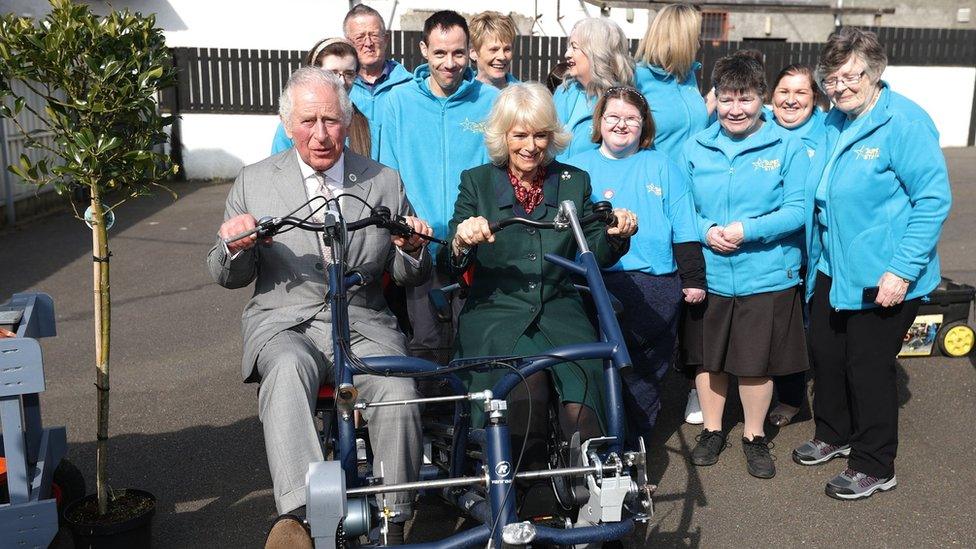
(601, 486)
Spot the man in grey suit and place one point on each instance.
(287, 322)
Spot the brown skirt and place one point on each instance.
(750, 336)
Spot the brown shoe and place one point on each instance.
(288, 532)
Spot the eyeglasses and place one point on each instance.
(345, 75)
(630, 121)
(848, 81)
(360, 39)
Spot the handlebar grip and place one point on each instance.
(495, 226)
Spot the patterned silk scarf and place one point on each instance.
(528, 197)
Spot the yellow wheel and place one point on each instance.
(957, 339)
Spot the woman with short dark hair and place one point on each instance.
(877, 212)
(747, 177)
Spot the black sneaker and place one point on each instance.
(759, 461)
(710, 445)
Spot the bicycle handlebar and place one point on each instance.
(602, 211)
(380, 217)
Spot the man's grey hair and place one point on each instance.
(309, 77)
(362, 10)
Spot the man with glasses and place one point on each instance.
(364, 27)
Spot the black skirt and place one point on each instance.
(750, 336)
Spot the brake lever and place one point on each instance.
(399, 227)
(266, 226)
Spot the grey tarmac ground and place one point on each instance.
(185, 427)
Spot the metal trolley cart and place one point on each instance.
(942, 323)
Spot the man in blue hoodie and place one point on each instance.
(433, 130)
(364, 27)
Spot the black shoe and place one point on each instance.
(710, 445)
(759, 461)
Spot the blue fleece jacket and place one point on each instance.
(369, 100)
(430, 140)
(758, 181)
(813, 133)
(652, 186)
(678, 108)
(575, 112)
(887, 196)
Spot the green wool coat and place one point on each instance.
(514, 287)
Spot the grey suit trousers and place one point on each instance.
(292, 366)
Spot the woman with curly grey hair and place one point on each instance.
(875, 218)
(598, 58)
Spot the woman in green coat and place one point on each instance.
(519, 304)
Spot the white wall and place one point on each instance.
(219, 145)
(557, 17)
(946, 93)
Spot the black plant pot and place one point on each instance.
(128, 524)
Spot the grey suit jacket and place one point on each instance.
(290, 278)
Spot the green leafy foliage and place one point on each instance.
(99, 77)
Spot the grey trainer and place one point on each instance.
(815, 452)
(853, 484)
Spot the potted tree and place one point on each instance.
(97, 79)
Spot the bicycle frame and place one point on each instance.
(498, 510)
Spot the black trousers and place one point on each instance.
(855, 391)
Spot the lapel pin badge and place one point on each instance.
(352, 177)
(565, 176)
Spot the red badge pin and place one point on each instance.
(608, 194)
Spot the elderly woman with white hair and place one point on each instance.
(598, 58)
(519, 304)
(875, 215)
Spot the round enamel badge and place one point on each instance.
(608, 194)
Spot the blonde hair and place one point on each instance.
(671, 41)
(489, 24)
(529, 105)
(605, 45)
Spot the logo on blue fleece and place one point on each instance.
(473, 127)
(865, 153)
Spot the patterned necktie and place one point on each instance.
(326, 193)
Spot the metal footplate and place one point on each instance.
(325, 501)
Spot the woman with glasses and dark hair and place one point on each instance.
(664, 265)
(338, 56)
(796, 98)
(597, 58)
(747, 178)
(876, 215)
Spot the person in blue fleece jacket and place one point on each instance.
(795, 99)
(664, 265)
(433, 129)
(665, 74)
(365, 28)
(875, 218)
(597, 59)
(748, 177)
